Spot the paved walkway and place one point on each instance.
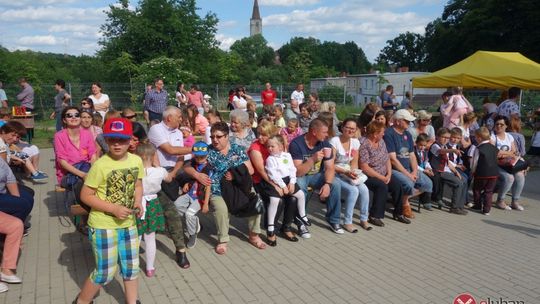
(430, 261)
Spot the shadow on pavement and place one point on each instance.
(531, 232)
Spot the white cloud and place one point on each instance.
(40, 40)
(52, 14)
(22, 3)
(349, 21)
(288, 2)
(225, 42)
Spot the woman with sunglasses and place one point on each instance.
(73, 146)
(507, 149)
(88, 104)
(224, 156)
(423, 125)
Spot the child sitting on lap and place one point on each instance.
(281, 170)
(189, 204)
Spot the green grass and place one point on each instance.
(44, 133)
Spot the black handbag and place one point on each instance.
(520, 165)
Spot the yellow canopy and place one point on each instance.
(494, 70)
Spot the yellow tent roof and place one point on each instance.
(496, 70)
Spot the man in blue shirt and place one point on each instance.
(400, 146)
(156, 101)
(312, 156)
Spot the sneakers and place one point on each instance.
(192, 241)
(517, 206)
(304, 220)
(3, 287)
(11, 279)
(39, 177)
(469, 205)
(304, 232)
(502, 205)
(336, 228)
(486, 213)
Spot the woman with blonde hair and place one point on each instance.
(258, 153)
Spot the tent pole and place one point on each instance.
(520, 97)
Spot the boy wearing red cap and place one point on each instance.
(113, 189)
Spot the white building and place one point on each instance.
(364, 88)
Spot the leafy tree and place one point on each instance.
(333, 93)
(299, 66)
(170, 28)
(491, 25)
(254, 51)
(167, 68)
(406, 50)
(297, 45)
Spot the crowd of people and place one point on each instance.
(136, 179)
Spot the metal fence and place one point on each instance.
(131, 95)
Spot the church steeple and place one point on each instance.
(255, 23)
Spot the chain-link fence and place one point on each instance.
(124, 95)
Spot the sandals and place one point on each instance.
(365, 226)
(350, 228)
(221, 248)
(257, 242)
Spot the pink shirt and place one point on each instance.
(66, 150)
(201, 123)
(195, 98)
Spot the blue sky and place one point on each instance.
(69, 26)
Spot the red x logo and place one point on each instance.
(464, 298)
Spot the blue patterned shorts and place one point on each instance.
(112, 247)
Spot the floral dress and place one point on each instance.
(153, 219)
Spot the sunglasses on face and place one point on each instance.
(131, 116)
(217, 136)
(72, 115)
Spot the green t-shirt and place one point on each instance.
(115, 183)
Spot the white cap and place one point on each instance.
(404, 114)
(206, 96)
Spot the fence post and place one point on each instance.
(344, 94)
(69, 89)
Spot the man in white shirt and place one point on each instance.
(169, 142)
(298, 94)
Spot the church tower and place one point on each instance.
(255, 23)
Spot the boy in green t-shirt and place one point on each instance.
(113, 189)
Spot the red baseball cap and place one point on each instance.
(118, 128)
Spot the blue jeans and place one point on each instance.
(19, 207)
(353, 194)
(155, 116)
(510, 181)
(59, 122)
(333, 202)
(423, 182)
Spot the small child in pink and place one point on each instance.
(292, 131)
(189, 139)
